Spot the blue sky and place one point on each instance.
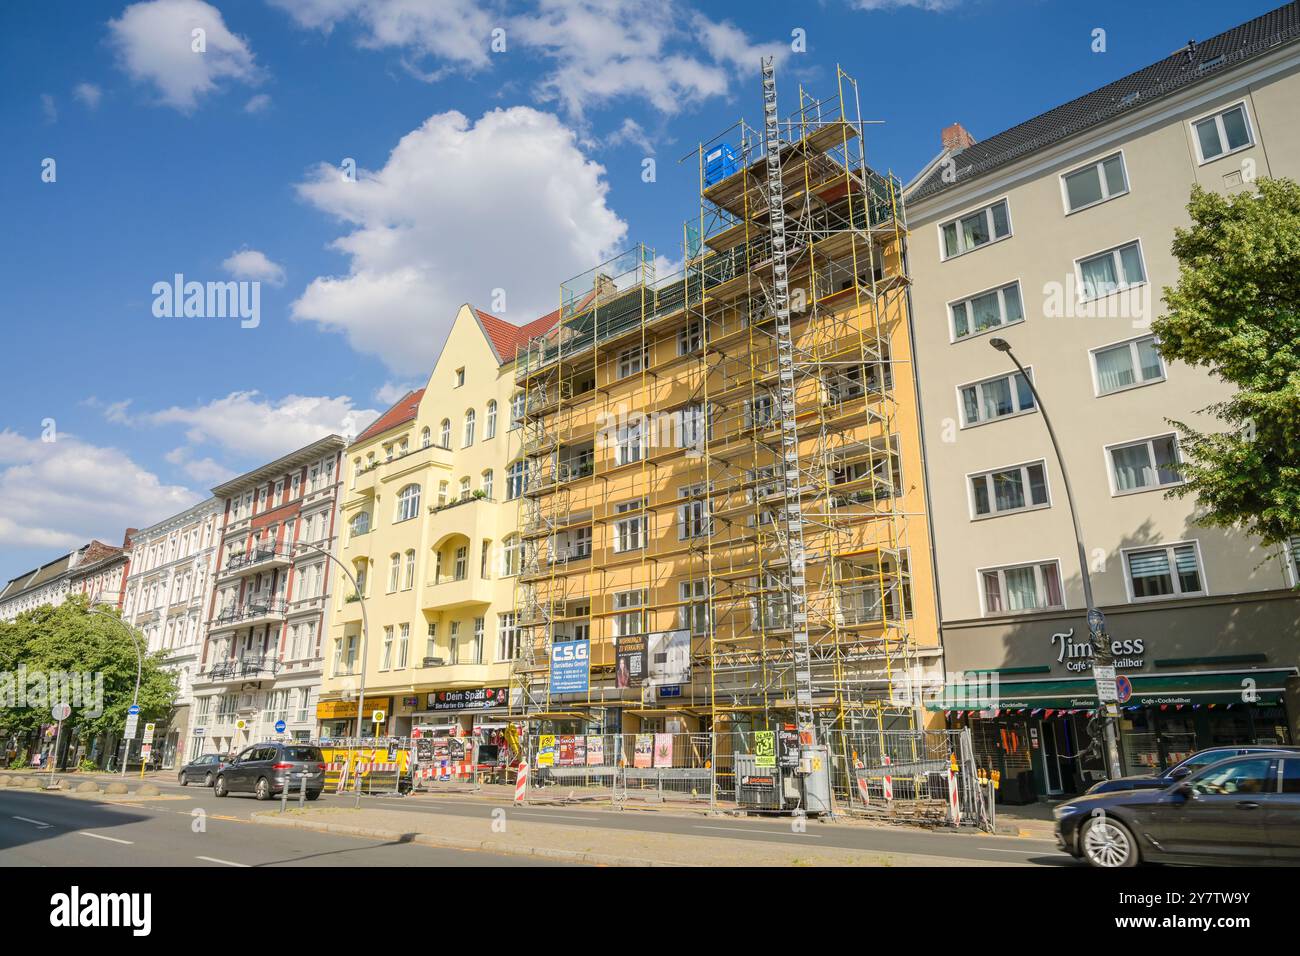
(477, 170)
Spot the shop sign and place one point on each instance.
(570, 667)
(1076, 654)
(477, 698)
(341, 709)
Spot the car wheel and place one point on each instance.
(207, 779)
(183, 780)
(263, 791)
(313, 794)
(1108, 843)
(222, 790)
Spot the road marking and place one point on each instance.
(756, 832)
(995, 849)
(100, 836)
(213, 859)
(40, 823)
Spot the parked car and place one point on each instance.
(202, 768)
(1244, 810)
(1197, 761)
(267, 769)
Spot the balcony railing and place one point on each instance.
(254, 610)
(243, 561)
(243, 668)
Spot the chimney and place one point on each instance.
(955, 137)
(604, 287)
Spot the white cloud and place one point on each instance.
(154, 44)
(934, 6)
(458, 210)
(60, 494)
(388, 393)
(88, 93)
(630, 132)
(205, 470)
(259, 103)
(254, 427)
(252, 264)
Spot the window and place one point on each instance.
(1222, 133)
(460, 377)
(453, 643)
(630, 532)
(1172, 571)
(996, 398)
(693, 516)
(975, 229)
(465, 490)
(988, 310)
(511, 553)
(1026, 587)
(514, 480)
(1020, 488)
(1095, 184)
(408, 580)
(360, 523)
(1110, 271)
(1127, 365)
(516, 410)
(444, 433)
(1152, 463)
(628, 621)
(442, 494)
(690, 424)
(630, 361)
(408, 503)
(690, 338)
(487, 483)
(386, 657)
(461, 570)
(1237, 779)
(1293, 548)
(394, 571)
(484, 558)
(359, 573)
(631, 446)
(694, 612)
(469, 428)
(403, 645)
(507, 637)
(477, 647)
(490, 424)
(426, 437)
(431, 640)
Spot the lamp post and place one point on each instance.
(365, 631)
(139, 668)
(1096, 620)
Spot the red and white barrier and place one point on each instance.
(954, 804)
(521, 782)
(439, 771)
(862, 783)
(889, 782)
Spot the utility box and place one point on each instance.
(815, 775)
(758, 788)
(719, 163)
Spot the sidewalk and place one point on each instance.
(506, 834)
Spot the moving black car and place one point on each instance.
(202, 768)
(267, 769)
(1197, 761)
(1244, 810)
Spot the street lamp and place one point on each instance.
(139, 668)
(365, 631)
(1096, 620)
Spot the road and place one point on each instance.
(160, 833)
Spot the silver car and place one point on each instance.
(267, 769)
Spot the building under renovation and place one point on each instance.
(724, 509)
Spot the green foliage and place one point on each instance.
(20, 761)
(1236, 312)
(70, 638)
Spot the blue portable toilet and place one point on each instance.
(719, 163)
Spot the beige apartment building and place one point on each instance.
(1055, 236)
(429, 531)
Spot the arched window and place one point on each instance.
(469, 427)
(394, 570)
(360, 522)
(408, 503)
(487, 483)
(409, 581)
(426, 437)
(464, 488)
(445, 435)
(490, 426)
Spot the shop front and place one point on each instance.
(465, 725)
(337, 719)
(1189, 678)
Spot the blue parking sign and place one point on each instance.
(279, 726)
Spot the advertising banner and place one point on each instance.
(595, 751)
(668, 657)
(570, 667)
(477, 698)
(765, 748)
(643, 755)
(663, 750)
(631, 661)
(546, 750)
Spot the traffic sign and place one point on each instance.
(60, 711)
(131, 722)
(1107, 692)
(378, 717)
(279, 726)
(133, 709)
(241, 724)
(1123, 689)
(148, 733)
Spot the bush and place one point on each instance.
(21, 761)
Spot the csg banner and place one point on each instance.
(570, 667)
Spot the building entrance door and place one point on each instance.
(1051, 752)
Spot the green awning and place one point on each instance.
(1080, 693)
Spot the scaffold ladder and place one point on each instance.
(792, 517)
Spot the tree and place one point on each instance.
(1236, 312)
(69, 639)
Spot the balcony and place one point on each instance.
(238, 669)
(449, 594)
(258, 559)
(249, 615)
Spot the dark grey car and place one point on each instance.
(204, 769)
(267, 769)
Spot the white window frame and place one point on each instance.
(1106, 194)
(1149, 442)
(1037, 565)
(1217, 116)
(966, 300)
(1132, 343)
(690, 337)
(961, 407)
(1024, 471)
(987, 209)
(508, 637)
(631, 361)
(1173, 571)
(1114, 252)
(471, 421)
(490, 421)
(408, 502)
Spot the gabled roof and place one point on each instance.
(403, 411)
(1188, 66)
(505, 337)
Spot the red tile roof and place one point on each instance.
(506, 337)
(406, 409)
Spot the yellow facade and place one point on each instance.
(426, 526)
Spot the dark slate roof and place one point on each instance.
(1173, 73)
